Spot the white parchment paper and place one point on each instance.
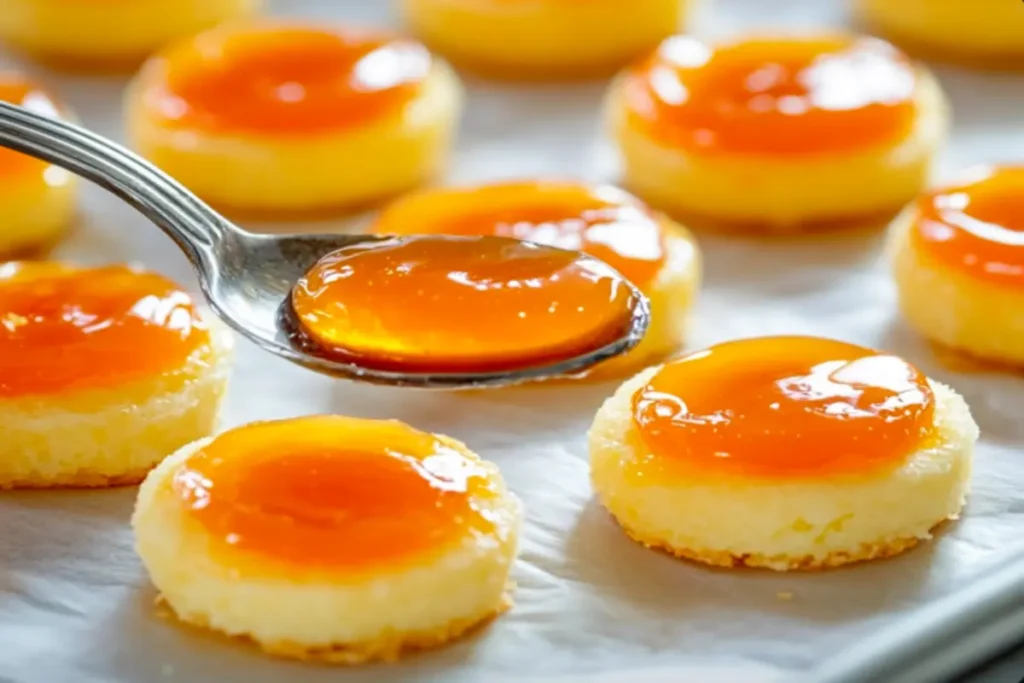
(75, 604)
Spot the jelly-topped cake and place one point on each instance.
(37, 199)
(782, 452)
(103, 371)
(656, 254)
(544, 38)
(959, 263)
(777, 132)
(976, 227)
(989, 34)
(274, 117)
(451, 304)
(108, 33)
(329, 537)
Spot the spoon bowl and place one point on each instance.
(247, 278)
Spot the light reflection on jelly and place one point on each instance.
(774, 95)
(460, 304)
(783, 407)
(281, 79)
(333, 493)
(976, 226)
(66, 329)
(602, 221)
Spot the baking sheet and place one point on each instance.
(591, 606)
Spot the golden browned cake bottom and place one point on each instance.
(81, 64)
(868, 551)
(389, 648)
(701, 223)
(319, 213)
(78, 480)
(36, 251)
(531, 73)
(946, 54)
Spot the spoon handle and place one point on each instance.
(193, 225)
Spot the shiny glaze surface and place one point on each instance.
(71, 329)
(333, 492)
(284, 80)
(977, 226)
(602, 221)
(774, 96)
(782, 407)
(460, 304)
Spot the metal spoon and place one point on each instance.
(245, 277)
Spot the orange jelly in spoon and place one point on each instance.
(65, 329)
(977, 226)
(334, 493)
(773, 97)
(782, 408)
(284, 80)
(460, 304)
(602, 221)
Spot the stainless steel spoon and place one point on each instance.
(245, 277)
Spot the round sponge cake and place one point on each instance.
(959, 264)
(544, 38)
(102, 372)
(777, 134)
(103, 34)
(253, 119)
(728, 518)
(329, 538)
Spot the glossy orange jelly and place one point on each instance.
(460, 304)
(268, 79)
(16, 89)
(602, 221)
(71, 329)
(780, 96)
(783, 407)
(334, 492)
(977, 226)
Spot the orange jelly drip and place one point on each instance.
(283, 80)
(783, 407)
(16, 89)
(333, 492)
(460, 304)
(977, 226)
(774, 97)
(604, 222)
(70, 329)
